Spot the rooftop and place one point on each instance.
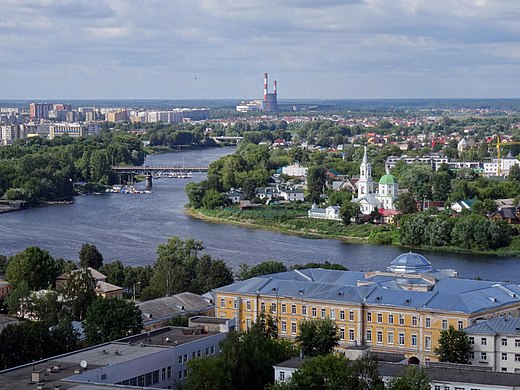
(503, 326)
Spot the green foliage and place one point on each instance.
(177, 321)
(34, 266)
(324, 265)
(44, 306)
(109, 319)
(4, 260)
(349, 210)
(316, 179)
(29, 341)
(16, 299)
(317, 336)
(195, 192)
(245, 362)
(89, 256)
(406, 203)
(413, 228)
(412, 378)
(246, 271)
(78, 293)
(454, 346)
(212, 199)
(179, 268)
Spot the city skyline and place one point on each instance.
(355, 49)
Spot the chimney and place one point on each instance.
(274, 87)
(265, 87)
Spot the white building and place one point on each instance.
(496, 344)
(9, 133)
(368, 199)
(75, 130)
(295, 170)
(331, 212)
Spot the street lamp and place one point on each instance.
(135, 284)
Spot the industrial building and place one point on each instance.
(270, 103)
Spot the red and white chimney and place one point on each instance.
(265, 87)
(274, 87)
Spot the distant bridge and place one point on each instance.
(150, 172)
(220, 139)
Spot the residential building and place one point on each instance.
(331, 212)
(295, 170)
(156, 360)
(75, 130)
(119, 115)
(400, 310)
(5, 288)
(235, 195)
(496, 344)
(465, 204)
(11, 132)
(39, 110)
(101, 286)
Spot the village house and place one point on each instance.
(101, 286)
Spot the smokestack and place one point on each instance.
(265, 87)
(275, 87)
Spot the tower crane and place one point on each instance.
(499, 159)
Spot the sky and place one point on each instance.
(220, 49)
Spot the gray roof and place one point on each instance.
(179, 304)
(410, 263)
(444, 294)
(503, 326)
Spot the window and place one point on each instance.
(390, 337)
(184, 358)
(293, 327)
(460, 325)
(273, 307)
(284, 308)
(235, 304)
(379, 337)
(180, 359)
(248, 305)
(504, 342)
(379, 317)
(437, 387)
(504, 369)
(517, 358)
(414, 321)
(401, 319)
(314, 311)
(483, 356)
(414, 340)
(342, 315)
(504, 356)
(193, 354)
(483, 341)
(472, 355)
(472, 340)
(369, 317)
(342, 333)
(248, 323)
(427, 342)
(169, 372)
(212, 349)
(284, 326)
(281, 377)
(222, 302)
(185, 373)
(180, 374)
(304, 310)
(351, 315)
(517, 343)
(428, 322)
(369, 336)
(163, 374)
(401, 338)
(444, 324)
(293, 309)
(323, 313)
(332, 314)
(390, 318)
(351, 334)
(262, 307)
(199, 353)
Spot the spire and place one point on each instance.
(365, 157)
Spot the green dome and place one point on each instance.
(388, 179)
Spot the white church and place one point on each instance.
(370, 200)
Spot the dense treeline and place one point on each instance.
(37, 170)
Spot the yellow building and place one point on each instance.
(401, 310)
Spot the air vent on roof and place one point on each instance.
(340, 294)
(407, 302)
(301, 291)
(493, 299)
(378, 298)
(517, 329)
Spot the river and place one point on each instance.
(129, 228)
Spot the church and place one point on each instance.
(367, 198)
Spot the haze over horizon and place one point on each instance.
(219, 49)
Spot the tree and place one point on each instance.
(115, 272)
(406, 204)
(412, 378)
(3, 264)
(89, 256)
(109, 319)
(212, 199)
(34, 266)
(316, 179)
(317, 336)
(514, 173)
(195, 192)
(454, 346)
(246, 271)
(413, 228)
(78, 293)
(349, 210)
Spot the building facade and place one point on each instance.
(400, 310)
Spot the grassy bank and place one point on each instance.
(296, 222)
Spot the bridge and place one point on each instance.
(157, 171)
(220, 139)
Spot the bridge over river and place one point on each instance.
(150, 172)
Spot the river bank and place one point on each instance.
(366, 234)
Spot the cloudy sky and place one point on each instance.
(196, 49)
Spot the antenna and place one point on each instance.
(83, 364)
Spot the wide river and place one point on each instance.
(129, 228)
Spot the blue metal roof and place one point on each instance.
(496, 326)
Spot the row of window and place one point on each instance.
(400, 339)
(342, 314)
(149, 378)
(448, 387)
(183, 359)
(503, 356)
(483, 341)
